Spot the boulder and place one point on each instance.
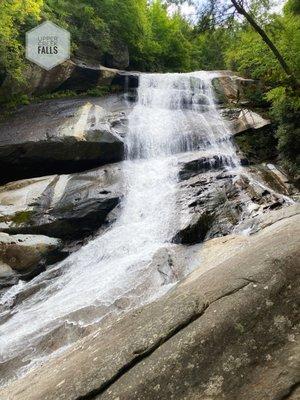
(24, 253)
(63, 206)
(195, 163)
(230, 88)
(88, 75)
(243, 120)
(59, 137)
(37, 80)
(8, 276)
(227, 332)
(77, 74)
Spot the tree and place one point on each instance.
(239, 6)
(15, 18)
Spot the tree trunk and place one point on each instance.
(240, 9)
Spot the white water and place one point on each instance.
(174, 113)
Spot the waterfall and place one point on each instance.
(174, 113)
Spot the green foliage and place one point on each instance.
(208, 49)
(286, 112)
(249, 55)
(292, 7)
(56, 95)
(98, 91)
(16, 17)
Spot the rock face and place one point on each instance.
(226, 332)
(90, 75)
(8, 276)
(243, 120)
(78, 74)
(38, 80)
(59, 137)
(63, 206)
(23, 253)
(230, 88)
(213, 201)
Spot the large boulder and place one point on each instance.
(37, 80)
(242, 120)
(26, 253)
(77, 74)
(225, 332)
(88, 75)
(231, 88)
(59, 137)
(8, 276)
(63, 206)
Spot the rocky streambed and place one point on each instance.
(227, 330)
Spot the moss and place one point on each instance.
(65, 94)
(22, 217)
(98, 91)
(239, 327)
(66, 208)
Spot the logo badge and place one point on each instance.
(47, 45)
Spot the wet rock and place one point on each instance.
(24, 253)
(201, 334)
(171, 263)
(63, 206)
(214, 203)
(59, 137)
(195, 163)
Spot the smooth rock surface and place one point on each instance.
(60, 137)
(228, 333)
(76, 74)
(242, 120)
(63, 206)
(24, 252)
(8, 276)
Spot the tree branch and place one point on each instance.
(241, 10)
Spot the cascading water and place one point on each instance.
(174, 113)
